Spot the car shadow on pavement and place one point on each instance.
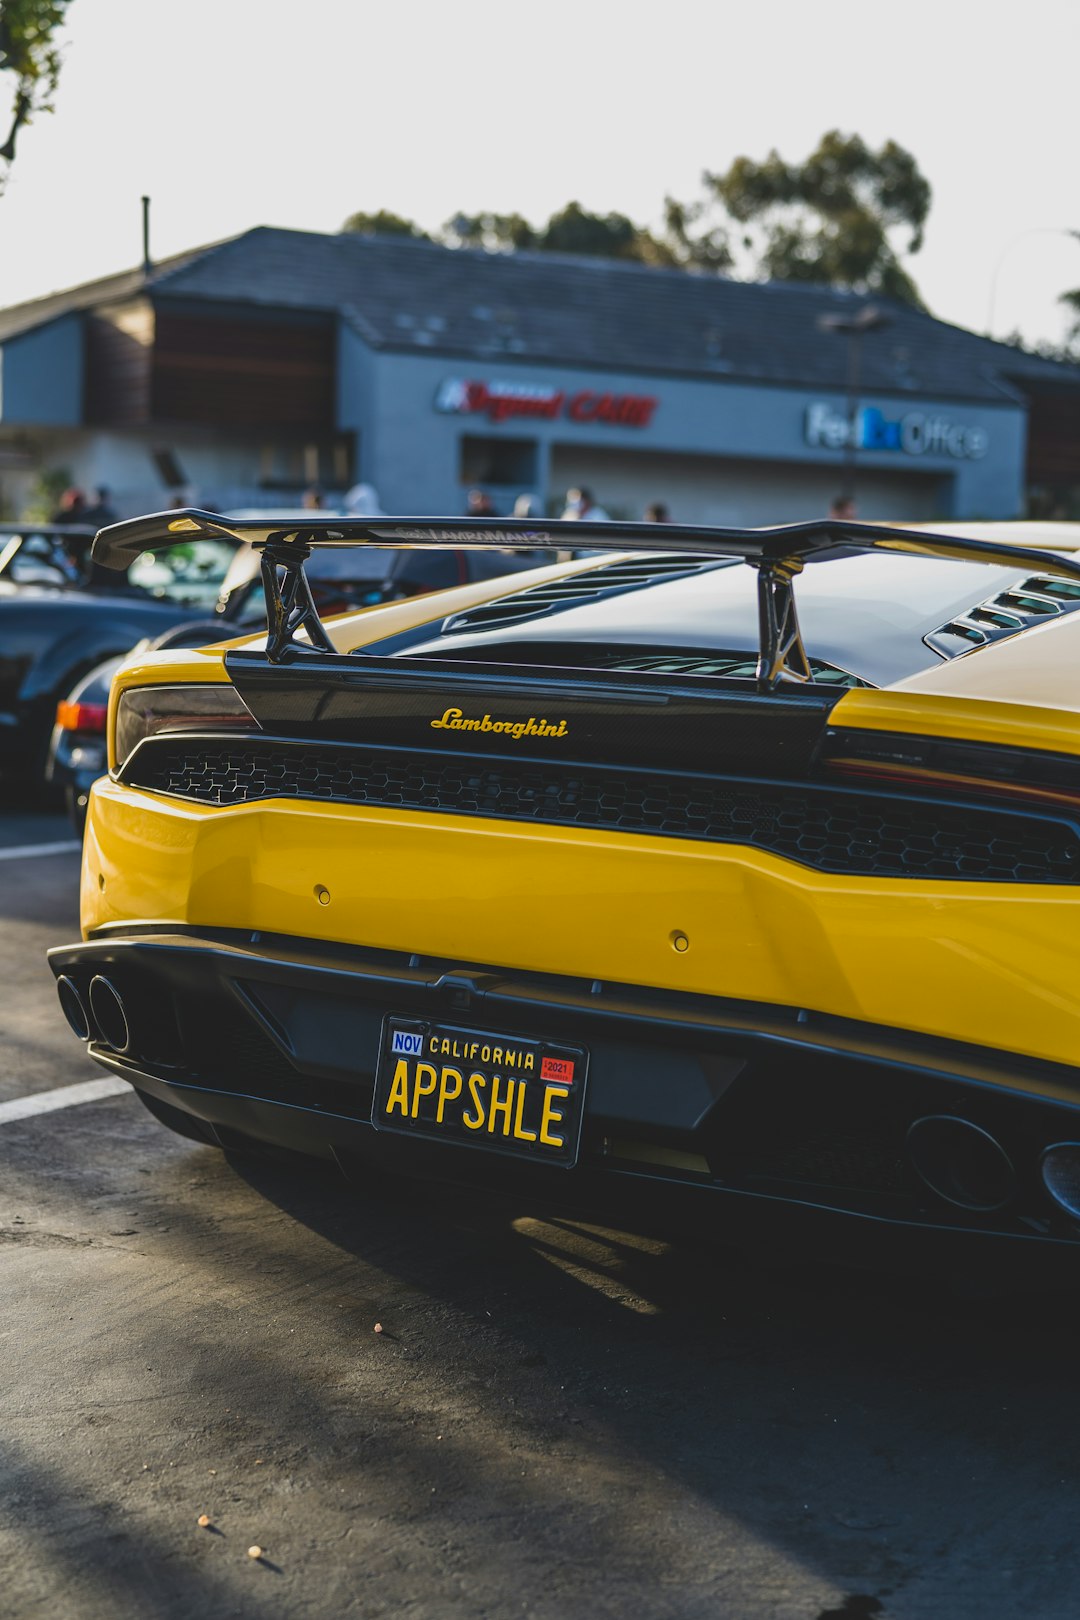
(556, 1419)
(911, 1449)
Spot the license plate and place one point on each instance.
(506, 1093)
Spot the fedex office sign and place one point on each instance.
(916, 433)
(505, 401)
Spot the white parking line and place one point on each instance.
(44, 1102)
(27, 852)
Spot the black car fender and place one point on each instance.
(69, 656)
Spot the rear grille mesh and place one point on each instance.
(822, 827)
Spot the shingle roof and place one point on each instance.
(547, 308)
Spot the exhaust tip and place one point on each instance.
(1060, 1171)
(71, 1005)
(108, 1014)
(961, 1163)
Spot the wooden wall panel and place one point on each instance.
(248, 374)
(1053, 455)
(119, 356)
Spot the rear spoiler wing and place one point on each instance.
(778, 554)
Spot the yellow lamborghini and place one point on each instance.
(728, 874)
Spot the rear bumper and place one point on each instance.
(727, 1119)
(992, 964)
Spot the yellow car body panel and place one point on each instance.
(990, 964)
(1042, 536)
(964, 719)
(1040, 667)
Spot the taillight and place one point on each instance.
(947, 767)
(149, 711)
(82, 716)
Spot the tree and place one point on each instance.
(604, 236)
(572, 229)
(495, 233)
(831, 219)
(1071, 300)
(691, 243)
(29, 52)
(384, 223)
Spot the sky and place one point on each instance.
(234, 113)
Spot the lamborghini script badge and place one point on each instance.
(454, 720)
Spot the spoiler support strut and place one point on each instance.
(780, 645)
(289, 603)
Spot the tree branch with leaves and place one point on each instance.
(1071, 300)
(29, 52)
(833, 219)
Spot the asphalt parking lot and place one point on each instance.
(556, 1419)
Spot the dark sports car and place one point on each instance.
(60, 616)
(736, 878)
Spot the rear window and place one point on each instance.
(359, 563)
(190, 575)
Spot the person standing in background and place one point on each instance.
(657, 512)
(101, 514)
(363, 501)
(72, 507)
(581, 508)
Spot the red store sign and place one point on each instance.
(505, 401)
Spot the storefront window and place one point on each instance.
(325, 462)
(498, 461)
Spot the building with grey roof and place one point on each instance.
(242, 372)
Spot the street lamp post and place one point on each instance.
(868, 319)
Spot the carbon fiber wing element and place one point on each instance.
(778, 554)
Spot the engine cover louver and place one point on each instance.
(572, 592)
(719, 665)
(1040, 596)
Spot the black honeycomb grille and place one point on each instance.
(832, 829)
